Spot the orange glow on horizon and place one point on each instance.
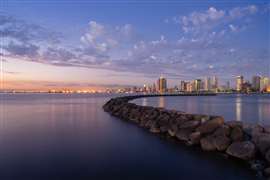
(50, 86)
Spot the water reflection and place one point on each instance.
(144, 101)
(263, 111)
(238, 110)
(161, 102)
(248, 108)
(55, 137)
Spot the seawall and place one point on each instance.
(250, 143)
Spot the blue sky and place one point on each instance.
(100, 43)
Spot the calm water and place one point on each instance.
(246, 108)
(59, 137)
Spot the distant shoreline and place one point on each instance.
(158, 94)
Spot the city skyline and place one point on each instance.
(44, 47)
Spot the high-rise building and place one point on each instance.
(214, 83)
(154, 88)
(239, 83)
(198, 85)
(264, 83)
(162, 85)
(190, 86)
(207, 84)
(256, 80)
(228, 87)
(183, 86)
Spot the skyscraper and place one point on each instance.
(228, 87)
(162, 85)
(264, 83)
(214, 83)
(198, 84)
(183, 86)
(207, 84)
(256, 80)
(190, 86)
(239, 83)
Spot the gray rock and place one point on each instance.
(267, 172)
(263, 142)
(237, 134)
(181, 119)
(171, 132)
(222, 142)
(210, 125)
(205, 118)
(149, 124)
(233, 124)
(266, 129)
(257, 165)
(243, 150)
(208, 144)
(164, 128)
(194, 138)
(183, 134)
(154, 129)
(252, 130)
(224, 130)
(267, 155)
(192, 124)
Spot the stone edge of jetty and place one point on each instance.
(247, 142)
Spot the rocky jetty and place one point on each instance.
(250, 143)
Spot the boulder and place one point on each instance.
(163, 119)
(266, 129)
(243, 150)
(207, 143)
(190, 124)
(181, 119)
(205, 118)
(257, 165)
(183, 134)
(267, 156)
(194, 138)
(224, 130)
(267, 172)
(197, 117)
(237, 134)
(154, 129)
(233, 124)
(252, 130)
(221, 142)
(149, 124)
(164, 128)
(171, 132)
(211, 125)
(263, 142)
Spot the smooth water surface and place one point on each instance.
(246, 108)
(60, 137)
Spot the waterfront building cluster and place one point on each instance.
(258, 84)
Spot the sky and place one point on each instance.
(49, 44)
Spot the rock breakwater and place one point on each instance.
(250, 143)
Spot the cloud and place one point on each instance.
(233, 28)
(100, 39)
(199, 23)
(202, 48)
(22, 49)
(240, 12)
(59, 54)
(19, 30)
